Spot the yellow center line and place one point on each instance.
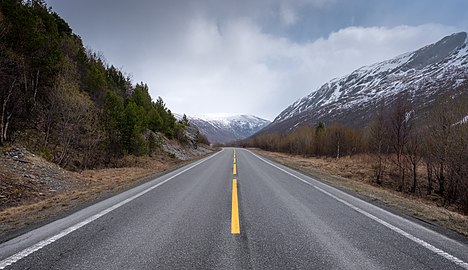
(234, 169)
(235, 226)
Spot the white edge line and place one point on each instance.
(413, 238)
(28, 251)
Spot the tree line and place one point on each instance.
(64, 101)
(421, 152)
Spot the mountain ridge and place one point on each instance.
(419, 76)
(220, 129)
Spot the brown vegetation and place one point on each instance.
(356, 173)
(425, 155)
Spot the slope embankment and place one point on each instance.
(34, 191)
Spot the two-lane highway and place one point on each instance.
(233, 210)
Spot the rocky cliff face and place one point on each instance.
(419, 77)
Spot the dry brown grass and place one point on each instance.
(355, 174)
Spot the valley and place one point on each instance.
(364, 166)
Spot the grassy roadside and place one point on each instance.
(95, 185)
(353, 174)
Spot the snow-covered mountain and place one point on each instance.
(418, 77)
(227, 128)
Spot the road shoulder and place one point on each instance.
(25, 218)
(439, 219)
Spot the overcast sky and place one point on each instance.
(254, 57)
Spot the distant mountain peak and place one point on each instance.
(419, 76)
(223, 128)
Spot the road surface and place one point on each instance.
(234, 210)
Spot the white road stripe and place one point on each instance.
(421, 242)
(28, 251)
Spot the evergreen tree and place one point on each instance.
(41, 62)
(185, 121)
(152, 144)
(113, 117)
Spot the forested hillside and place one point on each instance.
(64, 101)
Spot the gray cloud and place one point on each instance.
(242, 56)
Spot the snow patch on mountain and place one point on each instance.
(418, 75)
(223, 128)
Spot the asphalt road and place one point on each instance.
(185, 219)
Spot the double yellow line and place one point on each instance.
(235, 226)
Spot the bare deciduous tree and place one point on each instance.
(413, 156)
(400, 129)
(6, 115)
(438, 143)
(378, 144)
